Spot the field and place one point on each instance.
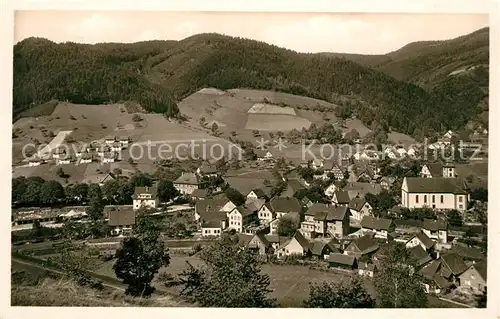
(246, 181)
(400, 138)
(276, 122)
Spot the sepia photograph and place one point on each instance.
(232, 159)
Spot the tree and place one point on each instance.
(287, 227)
(229, 277)
(397, 284)
(141, 256)
(117, 171)
(255, 133)
(454, 218)
(136, 118)
(278, 188)
(31, 194)
(202, 121)
(96, 203)
(481, 299)
(235, 196)
(140, 179)
(78, 192)
(344, 294)
(267, 183)
(51, 193)
(166, 190)
(215, 128)
(111, 190)
(60, 173)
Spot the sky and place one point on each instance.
(364, 33)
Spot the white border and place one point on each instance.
(412, 6)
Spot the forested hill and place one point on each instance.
(158, 73)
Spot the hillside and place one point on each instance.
(164, 72)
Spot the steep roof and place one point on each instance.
(145, 190)
(419, 255)
(371, 222)
(255, 204)
(200, 192)
(337, 213)
(188, 179)
(317, 208)
(319, 245)
(366, 243)
(455, 263)
(285, 204)
(205, 205)
(259, 192)
(357, 203)
(435, 185)
(211, 224)
(244, 239)
(481, 268)
(424, 239)
(436, 169)
(302, 240)
(342, 197)
(121, 217)
(428, 271)
(435, 225)
(244, 211)
(342, 259)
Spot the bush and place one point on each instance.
(136, 118)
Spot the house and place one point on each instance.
(434, 281)
(64, 159)
(433, 170)
(109, 140)
(317, 164)
(199, 193)
(124, 141)
(187, 183)
(116, 147)
(298, 246)
(452, 266)
(145, 197)
(330, 190)
(435, 193)
(325, 220)
(255, 204)
(381, 226)
(222, 205)
(98, 178)
(367, 155)
(263, 155)
(366, 269)
(256, 193)
(387, 181)
(86, 158)
(391, 153)
(474, 277)
(412, 151)
(359, 208)
(323, 247)
(213, 227)
(121, 221)
(240, 217)
(265, 244)
(366, 176)
(207, 170)
(58, 153)
(362, 246)
(34, 161)
(335, 169)
(109, 157)
(278, 207)
(422, 240)
(436, 230)
(306, 202)
(340, 198)
(103, 149)
(419, 255)
(338, 260)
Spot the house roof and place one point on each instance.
(371, 222)
(365, 243)
(210, 205)
(121, 217)
(317, 208)
(441, 282)
(435, 225)
(295, 185)
(455, 263)
(302, 240)
(424, 239)
(428, 271)
(244, 239)
(319, 245)
(285, 204)
(342, 259)
(481, 268)
(262, 153)
(467, 252)
(434, 185)
(275, 239)
(357, 203)
(207, 168)
(244, 211)
(211, 224)
(419, 255)
(200, 192)
(366, 266)
(337, 213)
(255, 204)
(188, 179)
(145, 190)
(436, 169)
(342, 197)
(258, 192)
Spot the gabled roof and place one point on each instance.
(275, 239)
(455, 263)
(342, 197)
(481, 268)
(206, 205)
(200, 192)
(435, 225)
(467, 252)
(255, 204)
(317, 208)
(244, 239)
(365, 244)
(337, 213)
(419, 255)
(285, 204)
(342, 259)
(188, 179)
(424, 239)
(262, 153)
(207, 168)
(319, 245)
(371, 222)
(435, 185)
(121, 217)
(357, 203)
(302, 240)
(436, 169)
(244, 211)
(145, 190)
(258, 192)
(441, 282)
(211, 224)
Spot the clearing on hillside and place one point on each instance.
(266, 122)
(264, 108)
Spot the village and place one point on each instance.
(328, 214)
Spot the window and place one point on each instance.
(460, 199)
(433, 198)
(416, 199)
(460, 206)
(442, 199)
(425, 198)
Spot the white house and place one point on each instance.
(264, 155)
(109, 158)
(317, 164)
(330, 190)
(58, 153)
(124, 141)
(187, 183)
(422, 240)
(433, 170)
(145, 197)
(381, 226)
(298, 245)
(34, 162)
(435, 193)
(65, 159)
(240, 217)
(86, 158)
(207, 170)
(116, 147)
(102, 150)
(212, 228)
(436, 230)
(109, 140)
(359, 208)
(256, 193)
